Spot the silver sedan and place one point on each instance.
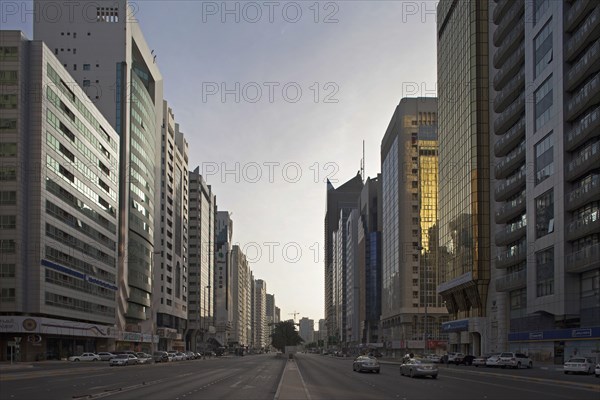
(417, 367)
(366, 363)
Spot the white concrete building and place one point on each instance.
(170, 298)
(202, 216)
(59, 196)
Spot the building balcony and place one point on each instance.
(577, 13)
(586, 259)
(587, 65)
(586, 128)
(513, 281)
(510, 139)
(511, 257)
(586, 34)
(582, 227)
(510, 115)
(510, 187)
(509, 45)
(511, 233)
(584, 161)
(502, 7)
(584, 194)
(510, 92)
(511, 162)
(587, 95)
(512, 65)
(508, 21)
(510, 210)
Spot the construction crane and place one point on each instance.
(294, 314)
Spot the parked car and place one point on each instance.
(418, 367)
(366, 363)
(597, 370)
(434, 358)
(480, 361)
(191, 355)
(514, 360)
(85, 357)
(160, 356)
(581, 365)
(123, 359)
(465, 360)
(175, 356)
(105, 356)
(493, 360)
(455, 358)
(144, 358)
(182, 356)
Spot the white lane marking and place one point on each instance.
(235, 384)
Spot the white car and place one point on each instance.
(455, 358)
(597, 371)
(123, 359)
(106, 356)
(579, 365)
(514, 360)
(493, 360)
(85, 357)
(144, 358)
(434, 358)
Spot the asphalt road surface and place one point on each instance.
(258, 377)
(333, 378)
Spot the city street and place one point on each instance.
(252, 377)
(258, 377)
(333, 378)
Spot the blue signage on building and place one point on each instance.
(556, 334)
(455, 326)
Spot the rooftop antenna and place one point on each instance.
(362, 163)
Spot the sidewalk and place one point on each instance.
(291, 386)
(6, 366)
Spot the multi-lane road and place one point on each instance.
(262, 377)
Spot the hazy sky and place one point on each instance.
(275, 102)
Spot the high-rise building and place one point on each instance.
(202, 211)
(222, 280)
(270, 317)
(464, 163)
(410, 307)
(344, 196)
(340, 277)
(170, 299)
(369, 260)
(260, 310)
(59, 195)
(277, 314)
(307, 330)
(322, 330)
(240, 294)
(544, 58)
(123, 81)
(352, 281)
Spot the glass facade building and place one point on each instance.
(411, 309)
(464, 232)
